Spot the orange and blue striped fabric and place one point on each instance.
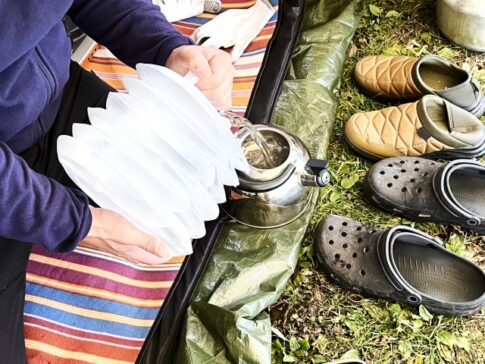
(89, 306)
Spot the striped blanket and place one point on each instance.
(89, 306)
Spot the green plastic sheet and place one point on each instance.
(227, 321)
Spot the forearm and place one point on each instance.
(37, 209)
(134, 30)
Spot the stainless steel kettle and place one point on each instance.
(275, 196)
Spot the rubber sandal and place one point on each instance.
(431, 127)
(424, 190)
(401, 263)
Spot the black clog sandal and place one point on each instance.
(424, 190)
(401, 263)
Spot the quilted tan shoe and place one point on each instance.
(431, 127)
(389, 77)
(408, 78)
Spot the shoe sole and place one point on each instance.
(451, 154)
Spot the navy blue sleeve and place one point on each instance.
(37, 209)
(134, 30)
(23, 24)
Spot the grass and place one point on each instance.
(315, 321)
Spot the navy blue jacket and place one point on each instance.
(34, 67)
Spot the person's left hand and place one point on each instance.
(212, 66)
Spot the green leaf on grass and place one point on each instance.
(405, 349)
(463, 343)
(321, 343)
(294, 344)
(375, 10)
(304, 344)
(457, 245)
(393, 14)
(424, 314)
(427, 37)
(376, 312)
(305, 264)
(278, 345)
(288, 358)
(392, 51)
(446, 353)
(351, 325)
(319, 359)
(300, 353)
(351, 354)
(446, 52)
(395, 308)
(334, 196)
(417, 324)
(450, 340)
(350, 181)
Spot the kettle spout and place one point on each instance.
(317, 174)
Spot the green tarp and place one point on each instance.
(227, 320)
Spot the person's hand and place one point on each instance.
(212, 66)
(111, 232)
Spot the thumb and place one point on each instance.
(127, 233)
(147, 242)
(155, 246)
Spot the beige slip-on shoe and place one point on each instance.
(408, 78)
(431, 127)
(389, 77)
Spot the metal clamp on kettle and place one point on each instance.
(280, 182)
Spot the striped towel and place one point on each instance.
(89, 306)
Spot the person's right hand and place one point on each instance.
(111, 232)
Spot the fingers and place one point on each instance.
(154, 246)
(221, 69)
(213, 68)
(131, 253)
(218, 87)
(137, 254)
(113, 233)
(130, 235)
(196, 62)
(189, 58)
(220, 97)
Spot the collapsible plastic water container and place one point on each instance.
(201, 201)
(123, 106)
(108, 189)
(181, 121)
(175, 87)
(161, 192)
(203, 129)
(149, 157)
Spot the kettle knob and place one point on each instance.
(318, 175)
(323, 178)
